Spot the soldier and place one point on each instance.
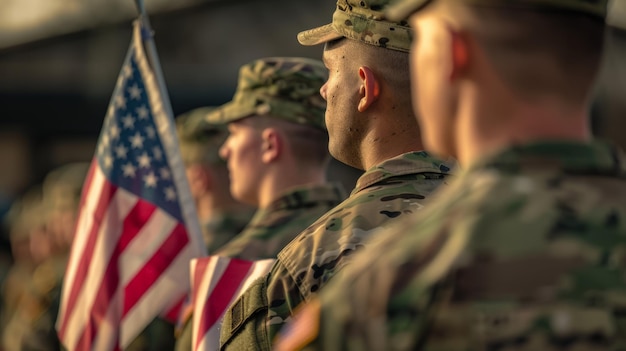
(276, 155)
(522, 251)
(24, 220)
(62, 189)
(371, 126)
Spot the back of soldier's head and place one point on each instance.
(538, 47)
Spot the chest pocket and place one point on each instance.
(244, 326)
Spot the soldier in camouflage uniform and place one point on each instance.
(276, 154)
(24, 218)
(372, 127)
(62, 189)
(524, 251)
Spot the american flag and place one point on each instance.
(137, 228)
(216, 282)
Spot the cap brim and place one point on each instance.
(229, 112)
(402, 9)
(318, 35)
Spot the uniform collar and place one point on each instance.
(408, 163)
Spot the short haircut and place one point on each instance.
(538, 52)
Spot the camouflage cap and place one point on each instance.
(361, 20)
(402, 9)
(62, 187)
(200, 139)
(281, 87)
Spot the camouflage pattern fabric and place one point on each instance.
(402, 9)
(361, 20)
(42, 305)
(281, 87)
(523, 252)
(272, 228)
(384, 195)
(223, 227)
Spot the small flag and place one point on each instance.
(137, 227)
(216, 282)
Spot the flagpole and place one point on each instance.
(148, 39)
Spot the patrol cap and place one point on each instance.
(281, 87)
(199, 138)
(62, 187)
(402, 9)
(361, 20)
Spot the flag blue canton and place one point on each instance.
(130, 150)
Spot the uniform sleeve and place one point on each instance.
(283, 297)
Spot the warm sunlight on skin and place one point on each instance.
(431, 88)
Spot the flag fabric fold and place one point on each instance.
(216, 282)
(137, 227)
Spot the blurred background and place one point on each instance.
(59, 60)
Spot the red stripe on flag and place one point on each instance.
(154, 267)
(106, 194)
(172, 315)
(222, 295)
(133, 223)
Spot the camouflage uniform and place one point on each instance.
(520, 253)
(223, 227)
(287, 89)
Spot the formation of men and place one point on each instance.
(518, 247)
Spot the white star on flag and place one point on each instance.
(137, 141)
(142, 112)
(135, 92)
(144, 160)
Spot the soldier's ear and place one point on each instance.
(272, 144)
(369, 91)
(200, 179)
(459, 53)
